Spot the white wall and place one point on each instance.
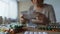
(24, 5)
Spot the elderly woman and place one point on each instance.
(45, 9)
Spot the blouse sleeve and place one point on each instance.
(52, 16)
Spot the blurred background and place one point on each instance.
(10, 9)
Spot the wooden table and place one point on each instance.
(38, 30)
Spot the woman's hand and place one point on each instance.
(40, 19)
(23, 19)
(37, 21)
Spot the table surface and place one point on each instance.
(38, 30)
(29, 29)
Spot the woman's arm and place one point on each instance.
(52, 16)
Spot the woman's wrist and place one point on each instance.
(37, 21)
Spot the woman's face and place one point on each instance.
(37, 2)
(34, 2)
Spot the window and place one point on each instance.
(8, 8)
